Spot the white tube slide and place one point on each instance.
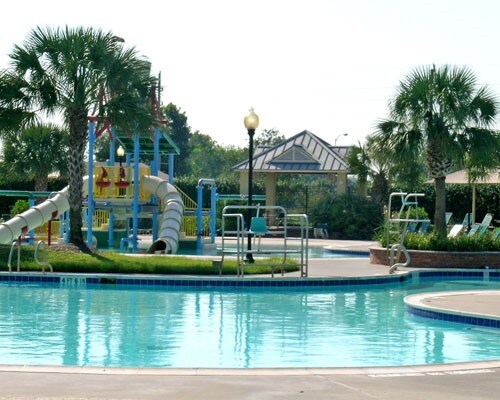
(170, 222)
(36, 216)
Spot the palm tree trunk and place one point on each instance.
(440, 211)
(77, 141)
(41, 185)
(361, 188)
(439, 165)
(380, 188)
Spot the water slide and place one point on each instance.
(35, 216)
(170, 223)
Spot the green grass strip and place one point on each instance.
(115, 263)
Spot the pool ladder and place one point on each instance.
(408, 200)
(40, 245)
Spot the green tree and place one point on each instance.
(269, 137)
(181, 134)
(359, 164)
(442, 113)
(220, 161)
(14, 102)
(78, 72)
(36, 152)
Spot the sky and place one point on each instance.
(328, 66)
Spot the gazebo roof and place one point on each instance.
(461, 177)
(302, 153)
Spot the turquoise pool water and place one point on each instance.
(313, 252)
(108, 325)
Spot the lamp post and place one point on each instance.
(120, 152)
(251, 122)
(337, 138)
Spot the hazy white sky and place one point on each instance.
(328, 66)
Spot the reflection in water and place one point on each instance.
(111, 326)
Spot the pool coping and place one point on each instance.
(215, 281)
(446, 306)
(408, 370)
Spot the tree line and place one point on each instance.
(439, 120)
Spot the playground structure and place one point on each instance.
(115, 193)
(113, 211)
(118, 194)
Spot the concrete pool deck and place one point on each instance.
(456, 381)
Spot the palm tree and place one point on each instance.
(442, 113)
(36, 152)
(14, 103)
(79, 72)
(359, 164)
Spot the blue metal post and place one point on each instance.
(171, 168)
(111, 163)
(155, 170)
(155, 167)
(199, 218)
(66, 223)
(135, 202)
(213, 212)
(90, 190)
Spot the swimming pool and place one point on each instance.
(313, 252)
(75, 322)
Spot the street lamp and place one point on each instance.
(251, 122)
(337, 138)
(120, 152)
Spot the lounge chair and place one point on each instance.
(467, 220)
(479, 229)
(496, 234)
(321, 231)
(424, 227)
(455, 230)
(448, 217)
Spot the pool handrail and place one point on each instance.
(44, 263)
(239, 211)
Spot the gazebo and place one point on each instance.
(461, 177)
(304, 153)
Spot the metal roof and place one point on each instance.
(302, 153)
(146, 143)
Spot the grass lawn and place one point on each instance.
(115, 263)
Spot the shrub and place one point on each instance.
(351, 216)
(19, 207)
(432, 242)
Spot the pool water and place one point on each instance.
(313, 252)
(108, 325)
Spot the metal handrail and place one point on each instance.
(241, 232)
(44, 262)
(9, 263)
(240, 239)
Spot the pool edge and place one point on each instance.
(464, 367)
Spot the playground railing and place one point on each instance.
(117, 182)
(189, 203)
